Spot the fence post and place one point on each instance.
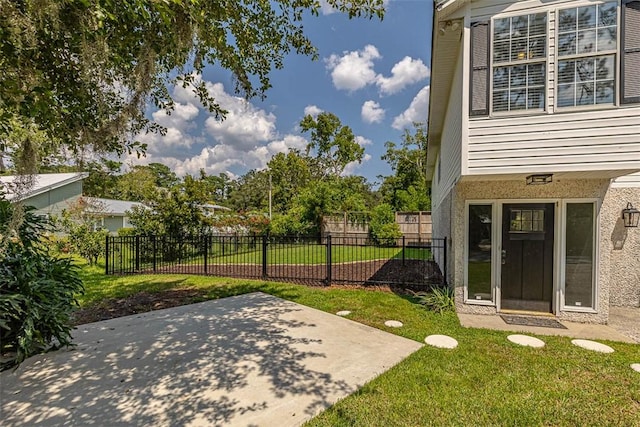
(206, 250)
(137, 253)
(106, 255)
(328, 280)
(444, 273)
(155, 251)
(265, 244)
(403, 247)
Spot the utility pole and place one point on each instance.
(269, 195)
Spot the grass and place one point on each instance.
(301, 254)
(485, 381)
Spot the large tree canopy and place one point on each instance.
(83, 71)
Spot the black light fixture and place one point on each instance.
(539, 179)
(630, 216)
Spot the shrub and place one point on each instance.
(37, 289)
(440, 300)
(383, 227)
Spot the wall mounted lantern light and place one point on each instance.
(539, 179)
(630, 216)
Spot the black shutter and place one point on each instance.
(630, 53)
(479, 84)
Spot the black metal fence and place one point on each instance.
(315, 260)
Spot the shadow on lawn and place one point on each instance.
(188, 366)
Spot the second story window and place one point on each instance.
(587, 46)
(519, 62)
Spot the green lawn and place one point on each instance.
(299, 254)
(485, 381)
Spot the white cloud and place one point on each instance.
(312, 110)
(406, 72)
(351, 167)
(285, 144)
(362, 141)
(417, 111)
(244, 125)
(353, 70)
(372, 112)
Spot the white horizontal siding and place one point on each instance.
(586, 140)
(631, 180)
(556, 140)
(451, 142)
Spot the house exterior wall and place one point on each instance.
(54, 201)
(113, 223)
(603, 138)
(442, 228)
(488, 158)
(622, 246)
(512, 190)
(449, 168)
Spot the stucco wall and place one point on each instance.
(622, 246)
(514, 190)
(441, 227)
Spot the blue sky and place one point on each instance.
(374, 75)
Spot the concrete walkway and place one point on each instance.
(574, 330)
(247, 360)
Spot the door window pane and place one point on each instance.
(479, 250)
(579, 255)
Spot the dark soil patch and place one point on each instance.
(386, 275)
(134, 304)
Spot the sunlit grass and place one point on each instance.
(486, 381)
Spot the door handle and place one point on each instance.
(504, 257)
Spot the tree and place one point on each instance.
(84, 71)
(335, 145)
(290, 173)
(217, 187)
(250, 192)
(103, 179)
(407, 188)
(81, 222)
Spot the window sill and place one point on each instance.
(486, 303)
(571, 309)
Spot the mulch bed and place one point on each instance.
(385, 275)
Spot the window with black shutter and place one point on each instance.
(630, 63)
(479, 85)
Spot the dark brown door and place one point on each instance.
(527, 256)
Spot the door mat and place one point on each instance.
(541, 322)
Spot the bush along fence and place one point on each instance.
(314, 260)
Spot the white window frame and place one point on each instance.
(494, 253)
(596, 256)
(558, 58)
(493, 65)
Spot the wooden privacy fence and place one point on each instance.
(309, 259)
(416, 227)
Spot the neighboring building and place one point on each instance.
(49, 193)
(113, 214)
(534, 151)
(53, 193)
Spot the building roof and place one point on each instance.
(113, 207)
(41, 183)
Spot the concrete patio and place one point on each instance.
(248, 360)
(624, 326)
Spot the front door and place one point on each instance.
(527, 256)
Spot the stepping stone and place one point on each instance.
(343, 313)
(393, 324)
(593, 346)
(441, 341)
(526, 341)
(635, 367)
